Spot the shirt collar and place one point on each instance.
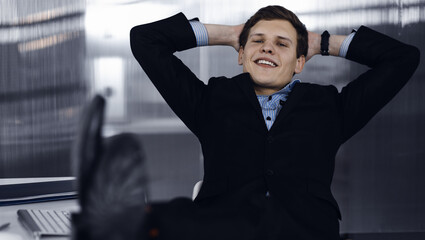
(273, 101)
(285, 90)
(288, 88)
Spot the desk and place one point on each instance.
(8, 214)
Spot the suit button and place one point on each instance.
(269, 172)
(270, 139)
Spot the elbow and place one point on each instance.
(133, 36)
(414, 55)
(137, 41)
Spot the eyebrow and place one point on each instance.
(278, 36)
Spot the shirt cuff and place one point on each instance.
(345, 45)
(200, 32)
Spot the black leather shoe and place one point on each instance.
(111, 181)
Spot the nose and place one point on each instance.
(267, 48)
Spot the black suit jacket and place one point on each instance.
(295, 159)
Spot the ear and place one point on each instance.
(300, 64)
(240, 57)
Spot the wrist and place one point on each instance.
(330, 44)
(219, 34)
(335, 42)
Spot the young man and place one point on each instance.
(269, 142)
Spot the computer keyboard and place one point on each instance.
(46, 222)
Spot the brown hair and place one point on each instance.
(277, 12)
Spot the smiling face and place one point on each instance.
(270, 55)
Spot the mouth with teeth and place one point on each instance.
(266, 63)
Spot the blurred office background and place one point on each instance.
(55, 54)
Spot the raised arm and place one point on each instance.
(391, 63)
(154, 45)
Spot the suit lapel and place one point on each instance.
(245, 83)
(293, 99)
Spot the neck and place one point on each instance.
(264, 91)
(259, 90)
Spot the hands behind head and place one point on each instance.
(237, 29)
(313, 41)
(313, 45)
